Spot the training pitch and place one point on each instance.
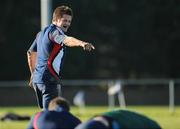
(161, 114)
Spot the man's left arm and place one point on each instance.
(60, 38)
(74, 42)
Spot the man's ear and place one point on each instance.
(58, 20)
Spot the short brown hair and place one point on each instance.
(60, 11)
(59, 101)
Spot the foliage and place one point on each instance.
(133, 39)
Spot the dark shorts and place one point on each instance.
(45, 93)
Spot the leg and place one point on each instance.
(59, 90)
(50, 91)
(38, 94)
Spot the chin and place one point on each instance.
(65, 30)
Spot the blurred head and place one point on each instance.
(62, 17)
(59, 102)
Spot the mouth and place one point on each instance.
(65, 27)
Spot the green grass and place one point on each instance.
(161, 114)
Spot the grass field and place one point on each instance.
(161, 114)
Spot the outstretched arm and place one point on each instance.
(73, 42)
(57, 37)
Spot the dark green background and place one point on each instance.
(133, 38)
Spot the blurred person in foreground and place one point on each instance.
(45, 55)
(119, 119)
(56, 117)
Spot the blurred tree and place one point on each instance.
(133, 39)
(20, 23)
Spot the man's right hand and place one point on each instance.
(88, 46)
(30, 82)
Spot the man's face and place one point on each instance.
(64, 22)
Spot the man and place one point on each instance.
(46, 55)
(119, 119)
(58, 116)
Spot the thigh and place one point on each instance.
(50, 91)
